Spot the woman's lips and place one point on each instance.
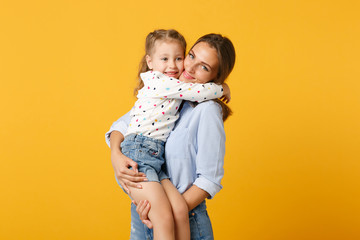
(187, 75)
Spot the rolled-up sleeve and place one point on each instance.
(120, 125)
(211, 150)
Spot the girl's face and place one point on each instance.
(167, 57)
(201, 64)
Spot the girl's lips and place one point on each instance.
(171, 74)
(187, 75)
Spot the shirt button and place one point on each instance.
(193, 214)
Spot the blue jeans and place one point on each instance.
(200, 225)
(148, 153)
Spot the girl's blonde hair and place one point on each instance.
(151, 38)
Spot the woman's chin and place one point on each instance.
(184, 79)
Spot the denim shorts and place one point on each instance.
(148, 153)
(200, 225)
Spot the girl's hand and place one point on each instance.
(143, 208)
(125, 176)
(226, 94)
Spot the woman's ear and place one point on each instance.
(148, 62)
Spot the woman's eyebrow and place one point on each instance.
(207, 65)
(192, 52)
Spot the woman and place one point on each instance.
(195, 149)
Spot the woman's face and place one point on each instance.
(201, 64)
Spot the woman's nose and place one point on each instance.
(190, 68)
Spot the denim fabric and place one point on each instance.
(195, 149)
(200, 225)
(148, 153)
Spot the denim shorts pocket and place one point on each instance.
(152, 148)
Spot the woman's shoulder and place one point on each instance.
(207, 110)
(208, 106)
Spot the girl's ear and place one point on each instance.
(148, 62)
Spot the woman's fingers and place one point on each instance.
(131, 176)
(123, 185)
(148, 223)
(133, 179)
(140, 208)
(128, 178)
(130, 172)
(146, 210)
(133, 184)
(143, 208)
(134, 166)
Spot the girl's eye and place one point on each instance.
(204, 68)
(179, 59)
(164, 59)
(191, 56)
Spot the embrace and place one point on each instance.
(168, 150)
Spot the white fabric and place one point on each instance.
(156, 109)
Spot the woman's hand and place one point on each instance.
(143, 208)
(126, 177)
(121, 164)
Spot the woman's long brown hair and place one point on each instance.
(226, 55)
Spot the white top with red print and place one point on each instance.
(156, 109)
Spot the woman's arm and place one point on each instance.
(209, 157)
(121, 164)
(210, 148)
(194, 196)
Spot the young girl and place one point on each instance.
(153, 116)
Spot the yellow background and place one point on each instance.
(292, 166)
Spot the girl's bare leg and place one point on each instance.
(180, 210)
(160, 213)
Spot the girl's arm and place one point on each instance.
(159, 85)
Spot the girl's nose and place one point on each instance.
(172, 64)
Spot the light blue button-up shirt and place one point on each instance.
(195, 149)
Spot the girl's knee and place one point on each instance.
(165, 220)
